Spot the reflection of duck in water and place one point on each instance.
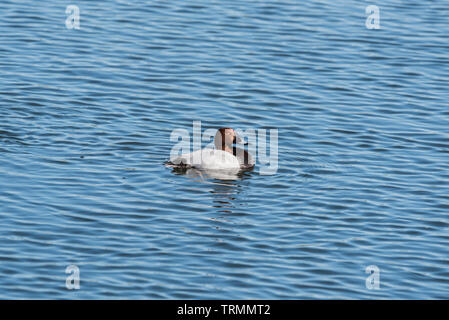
(224, 195)
(229, 174)
(224, 157)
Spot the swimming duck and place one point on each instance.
(224, 157)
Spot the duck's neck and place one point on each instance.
(225, 147)
(228, 149)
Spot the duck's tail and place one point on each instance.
(179, 165)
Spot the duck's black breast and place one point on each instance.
(245, 159)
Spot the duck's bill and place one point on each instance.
(239, 140)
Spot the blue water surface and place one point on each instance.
(363, 175)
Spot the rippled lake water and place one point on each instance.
(363, 176)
